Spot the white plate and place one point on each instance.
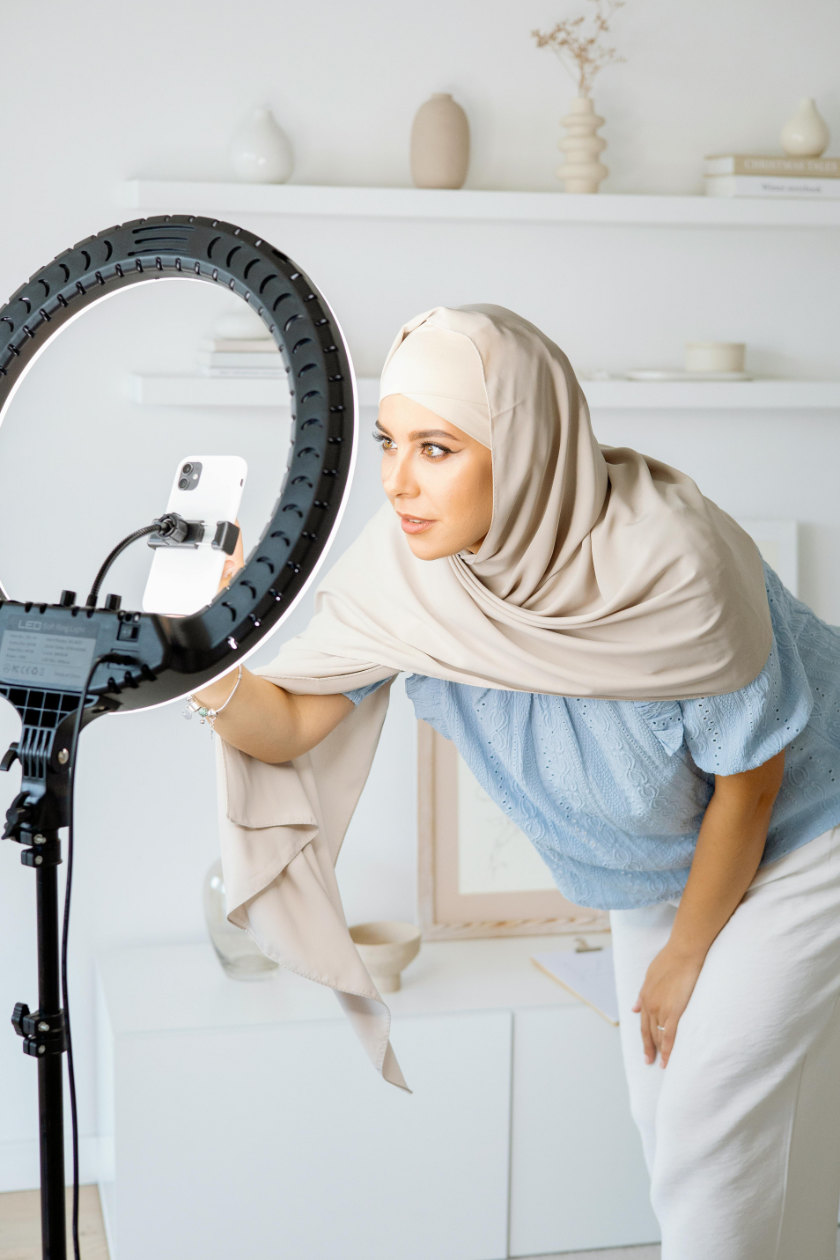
(669, 374)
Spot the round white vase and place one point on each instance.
(260, 151)
(440, 143)
(582, 172)
(806, 134)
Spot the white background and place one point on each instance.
(95, 93)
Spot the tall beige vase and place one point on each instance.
(440, 143)
(582, 172)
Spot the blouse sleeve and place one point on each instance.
(360, 692)
(740, 730)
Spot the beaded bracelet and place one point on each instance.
(210, 715)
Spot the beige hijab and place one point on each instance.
(604, 573)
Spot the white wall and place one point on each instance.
(96, 94)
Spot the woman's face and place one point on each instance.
(438, 480)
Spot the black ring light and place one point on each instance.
(321, 455)
(62, 665)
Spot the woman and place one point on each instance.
(642, 695)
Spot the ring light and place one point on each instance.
(62, 665)
(176, 655)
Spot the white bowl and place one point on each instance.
(386, 947)
(715, 356)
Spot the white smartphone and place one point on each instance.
(183, 579)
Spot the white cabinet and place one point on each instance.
(244, 1118)
(578, 1180)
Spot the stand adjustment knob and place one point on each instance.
(68, 599)
(16, 815)
(9, 757)
(21, 1012)
(42, 1034)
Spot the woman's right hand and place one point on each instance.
(233, 563)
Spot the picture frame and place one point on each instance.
(478, 874)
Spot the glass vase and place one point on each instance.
(235, 950)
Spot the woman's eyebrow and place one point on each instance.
(421, 433)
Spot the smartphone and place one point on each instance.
(185, 578)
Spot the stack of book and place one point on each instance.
(240, 356)
(772, 175)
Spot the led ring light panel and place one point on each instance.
(323, 446)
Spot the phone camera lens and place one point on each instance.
(186, 470)
(184, 483)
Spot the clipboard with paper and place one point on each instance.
(589, 975)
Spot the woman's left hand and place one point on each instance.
(669, 983)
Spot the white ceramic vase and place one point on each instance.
(260, 151)
(440, 143)
(582, 172)
(806, 134)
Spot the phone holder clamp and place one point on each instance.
(174, 531)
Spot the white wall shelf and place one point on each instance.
(203, 391)
(226, 391)
(151, 196)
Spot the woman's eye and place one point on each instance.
(433, 450)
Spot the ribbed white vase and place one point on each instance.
(260, 151)
(582, 172)
(806, 134)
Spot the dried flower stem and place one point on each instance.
(570, 43)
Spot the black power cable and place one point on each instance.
(71, 781)
(170, 526)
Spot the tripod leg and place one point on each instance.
(50, 1080)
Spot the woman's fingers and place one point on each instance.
(668, 985)
(233, 563)
(646, 1028)
(239, 549)
(666, 1044)
(658, 1034)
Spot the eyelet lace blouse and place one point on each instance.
(612, 792)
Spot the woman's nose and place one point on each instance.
(397, 475)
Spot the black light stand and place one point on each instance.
(33, 820)
(62, 665)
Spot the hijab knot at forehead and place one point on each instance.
(441, 369)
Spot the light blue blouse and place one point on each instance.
(612, 792)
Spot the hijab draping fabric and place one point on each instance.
(605, 573)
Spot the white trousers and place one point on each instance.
(741, 1131)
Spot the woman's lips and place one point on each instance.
(414, 524)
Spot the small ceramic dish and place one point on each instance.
(386, 947)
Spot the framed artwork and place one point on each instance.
(479, 875)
